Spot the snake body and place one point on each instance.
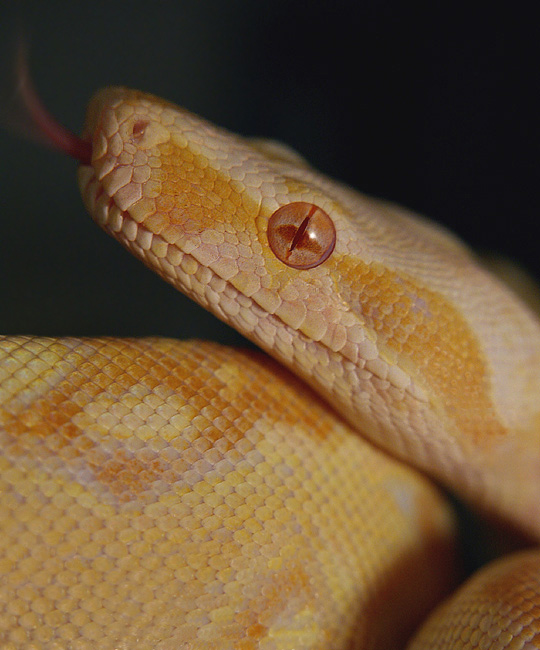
(169, 495)
(166, 495)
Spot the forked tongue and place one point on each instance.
(26, 114)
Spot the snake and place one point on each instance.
(183, 495)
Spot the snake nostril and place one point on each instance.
(139, 128)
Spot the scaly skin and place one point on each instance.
(125, 471)
(496, 609)
(159, 495)
(420, 349)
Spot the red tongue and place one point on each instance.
(54, 133)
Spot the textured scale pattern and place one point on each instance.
(165, 495)
(496, 609)
(387, 328)
(183, 496)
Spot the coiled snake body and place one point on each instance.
(167, 495)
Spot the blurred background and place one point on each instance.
(438, 111)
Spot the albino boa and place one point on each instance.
(166, 495)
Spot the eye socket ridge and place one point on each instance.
(301, 235)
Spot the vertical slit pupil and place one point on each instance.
(298, 235)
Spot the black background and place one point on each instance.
(436, 110)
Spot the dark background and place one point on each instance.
(438, 111)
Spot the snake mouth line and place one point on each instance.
(176, 266)
(200, 282)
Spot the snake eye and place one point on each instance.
(301, 235)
